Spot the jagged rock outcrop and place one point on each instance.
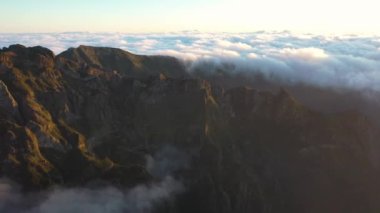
(97, 113)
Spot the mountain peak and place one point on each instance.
(23, 50)
(107, 60)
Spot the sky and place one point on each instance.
(143, 16)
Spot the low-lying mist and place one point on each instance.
(139, 199)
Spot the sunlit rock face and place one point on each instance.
(93, 115)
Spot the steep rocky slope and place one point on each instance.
(93, 114)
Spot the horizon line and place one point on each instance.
(201, 32)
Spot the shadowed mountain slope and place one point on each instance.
(93, 114)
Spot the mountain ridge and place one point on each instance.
(94, 113)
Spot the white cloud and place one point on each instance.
(224, 53)
(252, 55)
(233, 45)
(145, 44)
(178, 54)
(123, 42)
(304, 53)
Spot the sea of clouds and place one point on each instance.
(346, 61)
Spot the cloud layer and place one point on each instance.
(346, 61)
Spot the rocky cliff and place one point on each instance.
(97, 114)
